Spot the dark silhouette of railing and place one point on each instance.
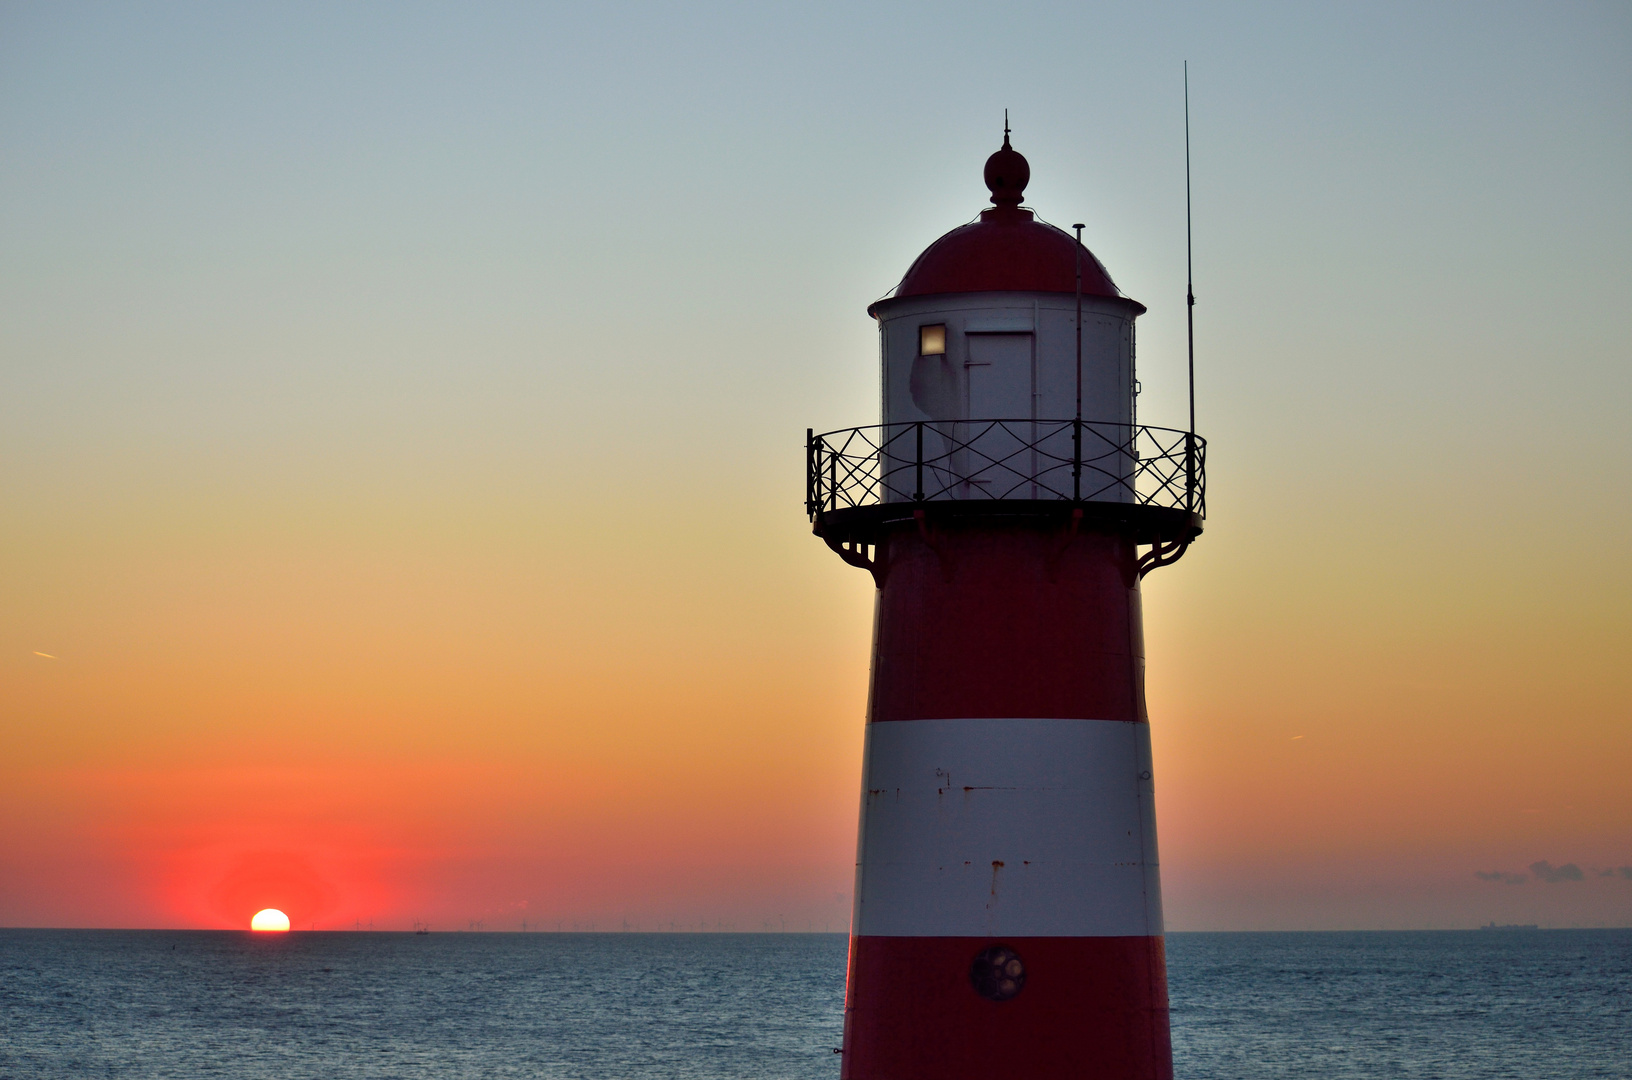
(967, 460)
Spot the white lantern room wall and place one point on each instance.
(1008, 356)
(961, 360)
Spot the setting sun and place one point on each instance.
(269, 919)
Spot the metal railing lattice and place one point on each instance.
(961, 460)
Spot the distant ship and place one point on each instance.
(1510, 926)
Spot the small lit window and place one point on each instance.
(932, 340)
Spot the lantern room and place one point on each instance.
(984, 324)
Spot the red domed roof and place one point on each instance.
(1007, 250)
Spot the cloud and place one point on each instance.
(1617, 871)
(1546, 871)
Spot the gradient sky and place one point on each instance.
(401, 419)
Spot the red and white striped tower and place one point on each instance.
(1008, 916)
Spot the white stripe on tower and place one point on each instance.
(1008, 827)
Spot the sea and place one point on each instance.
(185, 1004)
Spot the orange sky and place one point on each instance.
(610, 719)
(582, 730)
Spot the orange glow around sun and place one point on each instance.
(269, 919)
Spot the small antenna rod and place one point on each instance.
(1079, 320)
(1189, 267)
(1076, 428)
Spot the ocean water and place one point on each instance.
(1447, 1005)
(118, 1004)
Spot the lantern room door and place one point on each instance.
(997, 457)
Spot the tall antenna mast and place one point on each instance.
(1189, 267)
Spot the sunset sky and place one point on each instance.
(401, 466)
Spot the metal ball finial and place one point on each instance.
(1007, 172)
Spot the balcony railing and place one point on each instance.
(971, 460)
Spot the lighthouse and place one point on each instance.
(1007, 916)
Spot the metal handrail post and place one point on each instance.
(1190, 471)
(810, 472)
(1076, 460)
(832, 481)
(918, 489)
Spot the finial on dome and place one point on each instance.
(1007, 172)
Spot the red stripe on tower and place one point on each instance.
(1008, 915)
